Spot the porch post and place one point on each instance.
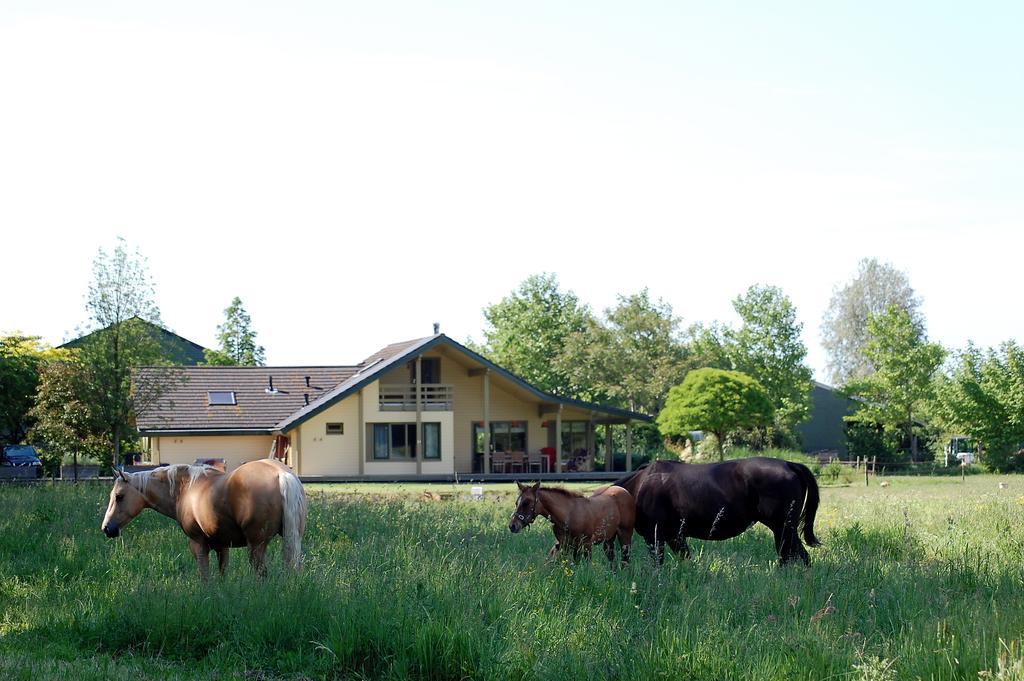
(419, 415)
(608, 447)
(487, 421)
(591, 438)
(558, 440)
(362, 433)
(629, 446)
(297, 451)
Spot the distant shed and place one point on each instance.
(825, 430)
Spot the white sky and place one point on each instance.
(358, 171)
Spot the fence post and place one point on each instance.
(874, 465)
(866, 481)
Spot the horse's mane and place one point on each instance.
(173, 472)
(563, 491)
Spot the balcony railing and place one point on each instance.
(434, 397)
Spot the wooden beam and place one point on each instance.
(487, 421)
(419, 415)
(591, 439)
(558, 440)
(608, 447)
(360, 396)
(478, 372)
(629, 446)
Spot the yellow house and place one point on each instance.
(429, 408)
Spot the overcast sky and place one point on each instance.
(357, 171)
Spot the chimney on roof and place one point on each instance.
(270, 389)
(307, 381)
(437, 328)
(306, 395)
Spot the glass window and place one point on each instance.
(215, 397)
(380, 440)
(398, 441)
(431, 440)
(574, 436)
(506, 436)
(430, 368)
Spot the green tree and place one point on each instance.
(904, 366)
(983, 398)
(768, 347)
(237, 339)
(67, 423)
(21, 359)
(121, 308)
(631, 358)
(715, 401)
(527, 330)
(874, 289)
(707, 346)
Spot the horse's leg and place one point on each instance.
(788, 544)
(625, 543)
(679, 546)
(256, 553)
(202, 555)
(609, 550)
(222, 560)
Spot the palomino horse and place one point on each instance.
(579, 522)
(677, 500)
(216, 510)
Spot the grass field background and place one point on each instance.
(920, 579)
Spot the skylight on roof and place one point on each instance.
(216, 397)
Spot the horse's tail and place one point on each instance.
(293, 517)
(810, 504)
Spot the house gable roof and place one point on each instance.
(399, 353)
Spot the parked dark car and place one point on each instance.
(22, 455)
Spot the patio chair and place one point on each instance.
(500, 462)
(517, 462)
(537, 461)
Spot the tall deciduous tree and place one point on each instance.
(983, 398)
(122, 310)
(66, 421)
(768, 347)
(237, 339)
(21, 360)
(874, 289)
(904, 365)
(528, 329)
(714, 401)
(632, 357)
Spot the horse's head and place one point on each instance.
(126, 502)
(526, 506)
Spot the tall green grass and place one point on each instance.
(921, 579)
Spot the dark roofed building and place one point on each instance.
(174, 348)
(825, 429)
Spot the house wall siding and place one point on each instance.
(234, 449)
(323, 454)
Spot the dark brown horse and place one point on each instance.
(722, 500)
(217, 510)
(579, 522)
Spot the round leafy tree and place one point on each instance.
(715, 401)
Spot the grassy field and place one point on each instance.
(921, 579)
